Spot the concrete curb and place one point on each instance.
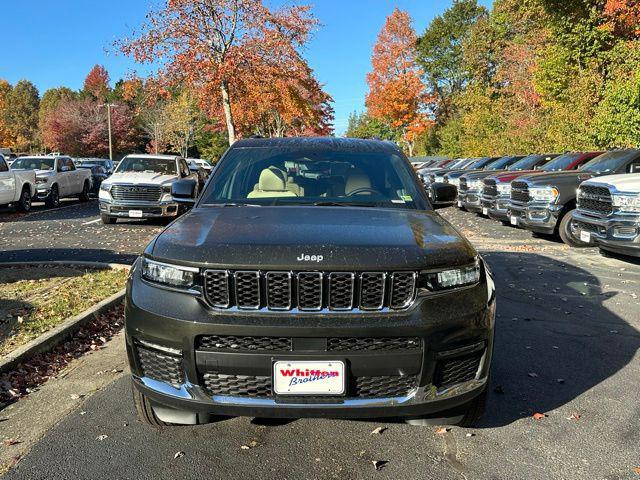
(55, 336)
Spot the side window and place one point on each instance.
(184, 168)
(3, 165)
(70, 164)
(634, 167)
(59, 164)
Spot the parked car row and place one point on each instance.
(586, 198)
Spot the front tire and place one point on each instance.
(53, 200)
(474, 410)
(145, 411)
(84, 196)
(107, 220)
(567, 236)
(24, 204)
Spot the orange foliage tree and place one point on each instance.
(397, 95)
(624, 17)
(215, 47)
(97, 83)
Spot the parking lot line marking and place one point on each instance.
(92, 221)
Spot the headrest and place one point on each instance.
(272, 179)
(356, 180)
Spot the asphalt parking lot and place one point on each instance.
(567, 339)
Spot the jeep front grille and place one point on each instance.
(595, 199)
(145, 193)
(520, 192)
(161, 366)
(453, 371)
(309, 291)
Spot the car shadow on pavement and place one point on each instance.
(555, 339)
(41, 211)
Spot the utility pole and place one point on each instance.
(108, 106)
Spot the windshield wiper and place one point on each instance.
(343, 204)
(232, 204)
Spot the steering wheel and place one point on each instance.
(361, 190)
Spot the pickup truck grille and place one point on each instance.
(595, 199)
(520, 192)
(148, 193)
(490, 189)
(309, 291)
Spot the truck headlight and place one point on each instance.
(504, 188)
(626, 202)
(458, 277)
(171, 275)
(41, 180)
(544, 194)
(105, 187)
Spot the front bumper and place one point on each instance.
(472, 201)
(496, 207)
(536, 216)
(148, 209)
(617, 232)
(42, 192)
(453, 329)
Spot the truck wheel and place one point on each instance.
(84, 196)
(24, 204)
(474, 410)
(145, 411)
(564, 229)
(107, 220)
(53, 200)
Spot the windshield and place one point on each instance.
(483, 162)
(458, 163)
(299, 175)
(610, 162)
(561, 163)
(529, 162)
(90, 162)
(33, 163)
(148, 165)
(502, 163)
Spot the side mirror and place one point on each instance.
(442, 195)
(185, 191)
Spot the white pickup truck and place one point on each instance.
(608, 213)
(56, 177)
(140, 187)
(17, 188)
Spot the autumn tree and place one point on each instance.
(396, 93)
(6, 137)
(21, 115)
(96, 83)
(212, 45)
(50, 100)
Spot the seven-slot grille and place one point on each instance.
(595, 199)
(309, 291)
(145, 193)
(490, 189)
(520, 192)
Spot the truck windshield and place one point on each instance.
(302, 176)
(502, 163)
(610, 161)
(165, 166)
(529, 162)
(561, 163)
(33, 163)
(483, 162)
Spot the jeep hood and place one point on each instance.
(147, 178)
(348, 238)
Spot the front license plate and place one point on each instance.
(459, 203)
(485, 211)
(514, 220)
(585, 236)
(308, 378)
(135, 213)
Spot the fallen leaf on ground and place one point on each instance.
(442, 430)
(244, 447)
(471, 435)
(532, 374)
(10, 441)
(102, 437)
(637, 470)
(378, 464)
(178, 455)
(574, 416)
(378, 430)
(539, 416)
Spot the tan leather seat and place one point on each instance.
(356, 180)
(292, 186)
(272, 183)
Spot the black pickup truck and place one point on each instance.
(311, 278)
(544, 203)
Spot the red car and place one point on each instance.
(497, 188)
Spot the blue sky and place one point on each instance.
(57, 43)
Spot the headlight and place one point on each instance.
(458, 277)
(166, 188)
(626, 202)
(544, 194)
(504, 188)
(475, 185)
(105, 187)
(42, 179)
(172, 275)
